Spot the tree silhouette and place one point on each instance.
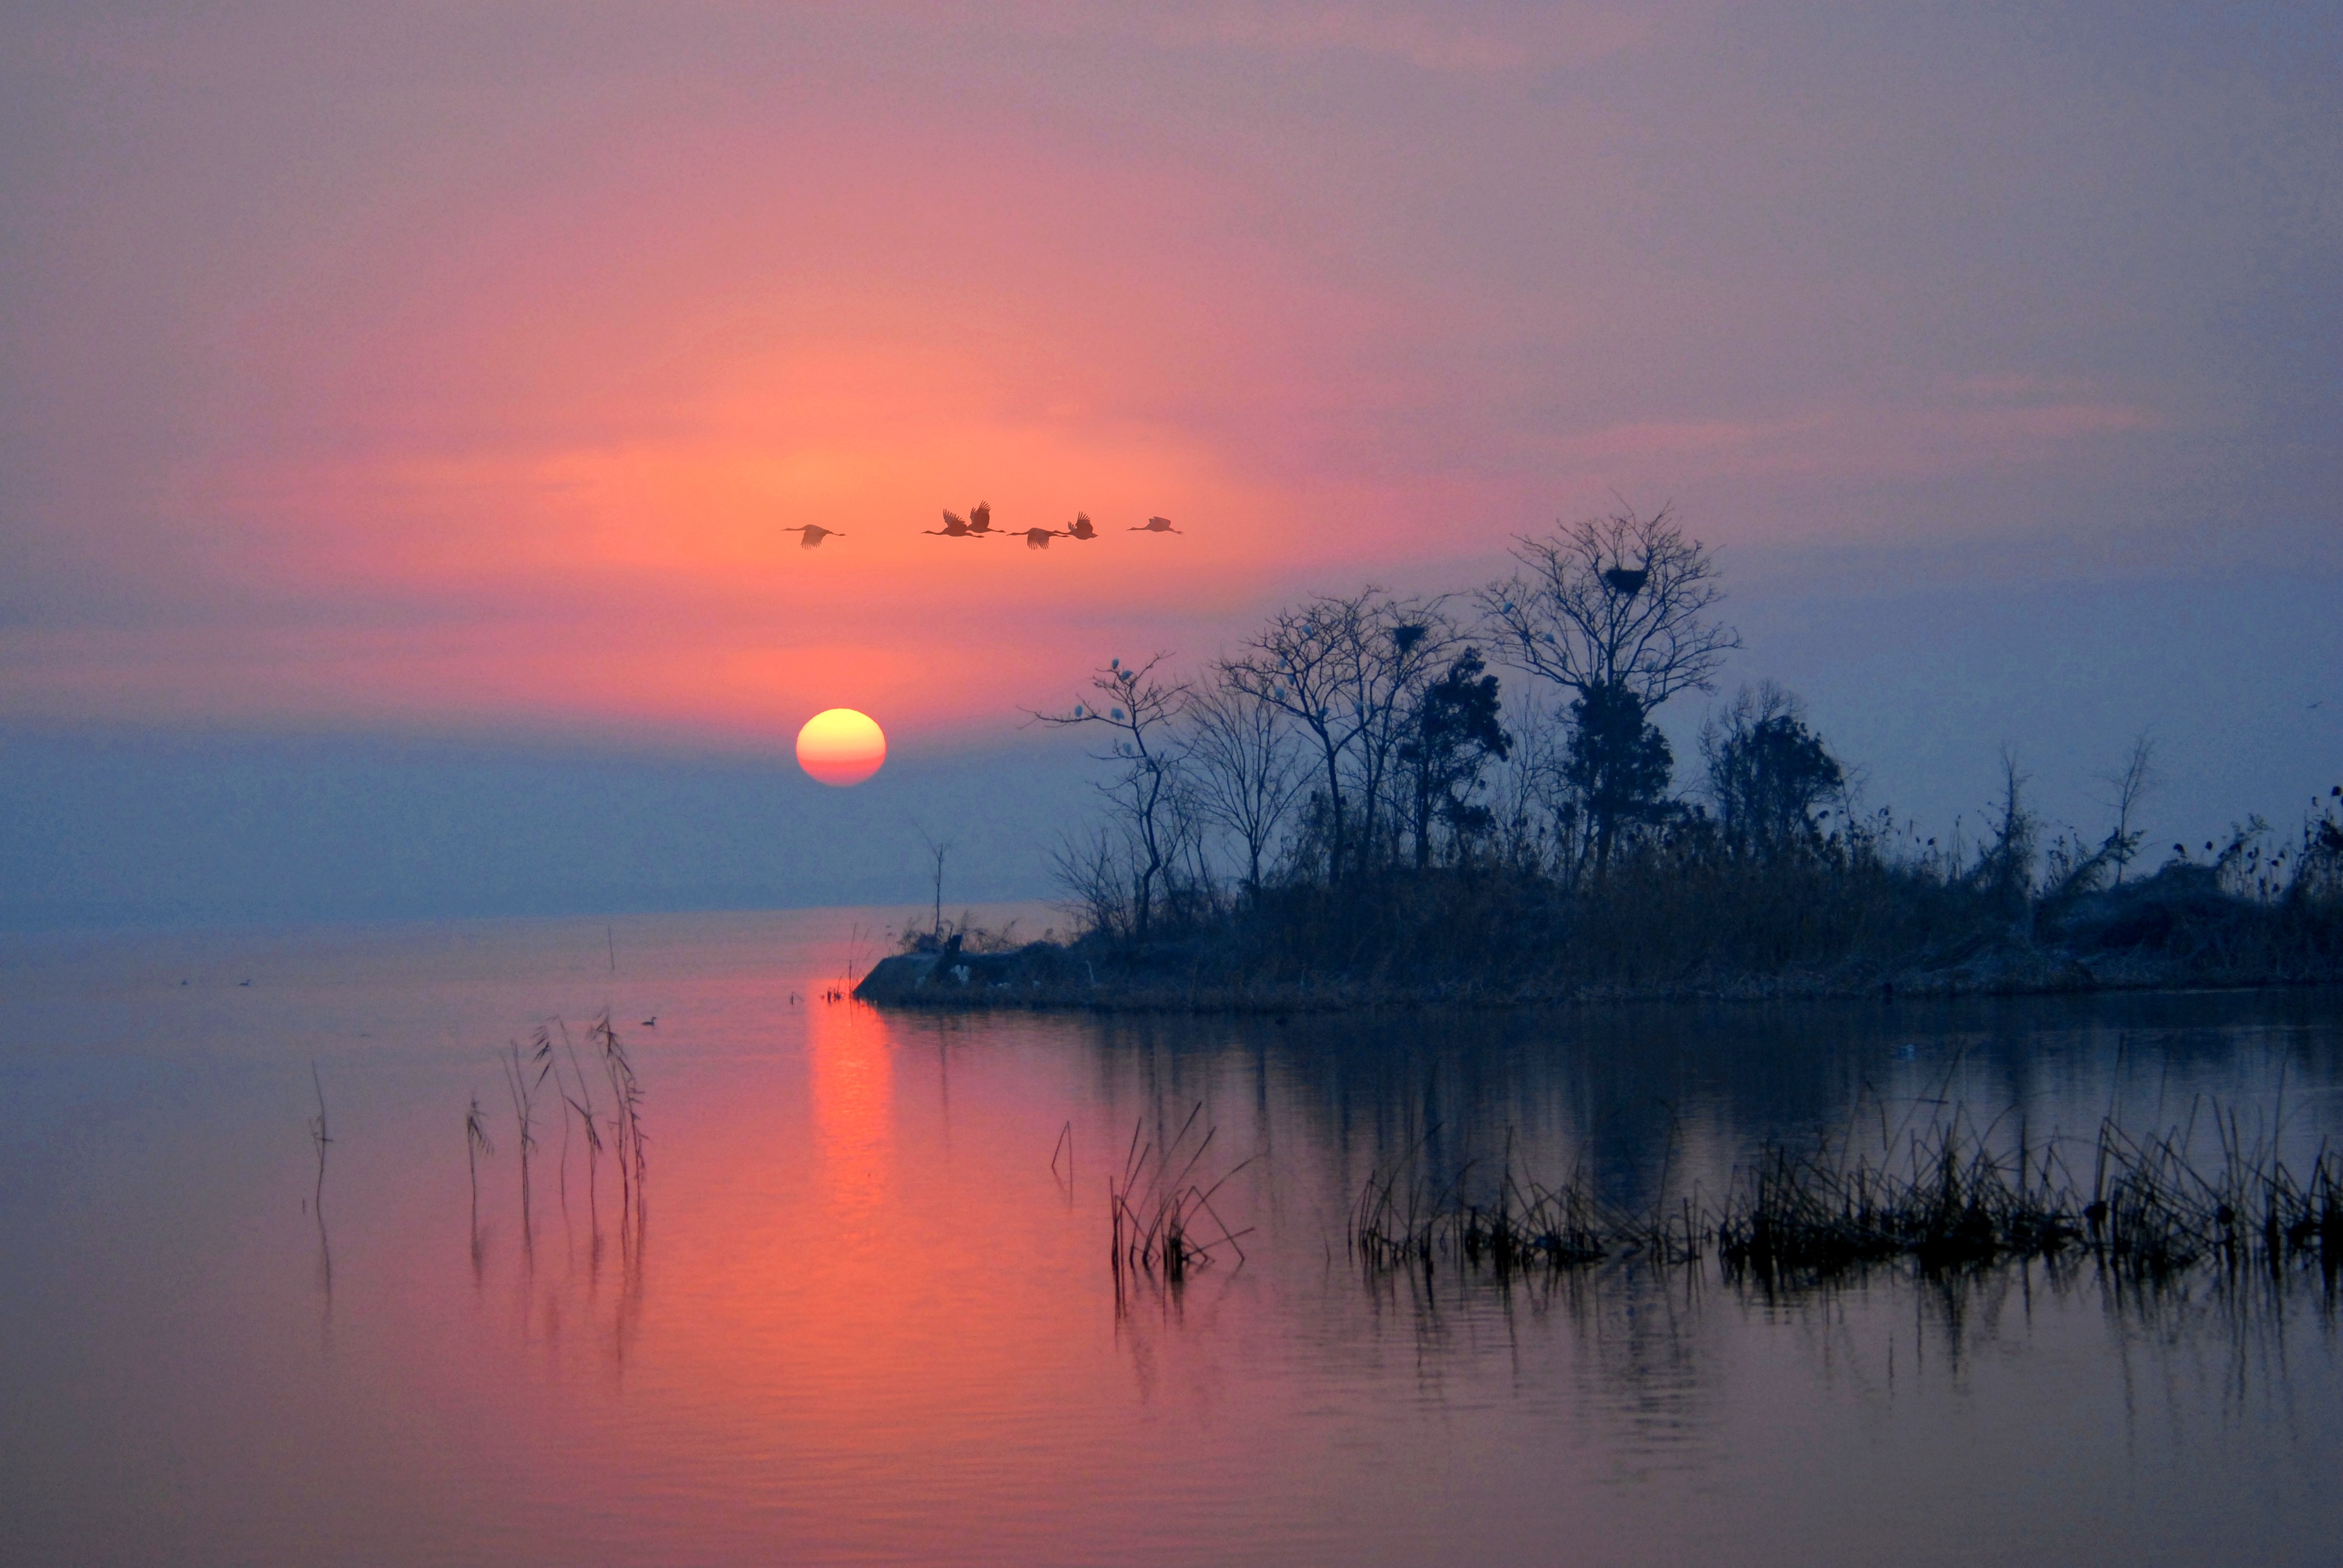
(1455, 733)
(1246, 771)
(1768, 772)
(2129, 785)
(1140, 711)
(1618, 601)
(1348, 672)
(1616, 610)
(1618, 764)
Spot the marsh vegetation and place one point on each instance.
(1948, 1195)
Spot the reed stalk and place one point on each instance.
(522, 1093)
(476, 1143)
(321, 1137)
(582, 1107)
(626, 1121)
(1160, 1207)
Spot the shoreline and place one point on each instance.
(1035, 978)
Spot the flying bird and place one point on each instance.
(814, 534)
(1155, 526)
(1080, 528)
(1038, 538)
(956, 527)
(979, 518)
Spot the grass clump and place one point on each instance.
(1401, 1218)
(1163, 1223)
(1941, 1199)
(1954, 1203)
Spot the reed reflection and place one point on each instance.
(1899, 1189)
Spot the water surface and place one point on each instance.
(866, 1321)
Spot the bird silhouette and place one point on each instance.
(1080, 528)
(1155, 526)
(1038, 538)
(956, 527)
(979, 518)
(814, 534)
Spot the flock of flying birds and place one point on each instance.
(977, 524)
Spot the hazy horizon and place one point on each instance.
(401, 406)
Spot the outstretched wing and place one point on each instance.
(979, 516)
(954, 520)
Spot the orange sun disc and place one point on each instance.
(841, 746)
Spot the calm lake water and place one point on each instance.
(867, 1321)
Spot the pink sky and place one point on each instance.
(461, 367)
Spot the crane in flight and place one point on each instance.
(979, 520)
(813, 534)
(956, 527)
(1038, 538)
(1081, 528)
(1154, 526)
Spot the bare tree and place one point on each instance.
(1091, 871)
(1621, 601)
(1140, 711)
(1301, 665)
(2130, 784)
(1246, 771)
(1615, 609)
(938, 849)
(1346, 671)
(1531, 793)
(1187, 882)
(2005, 865)
(1409, 643)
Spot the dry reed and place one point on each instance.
(1939, 1199)
(1159, 1206)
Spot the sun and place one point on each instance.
(841, 746)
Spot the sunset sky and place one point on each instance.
(436, 380)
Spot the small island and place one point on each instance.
(1348, 811)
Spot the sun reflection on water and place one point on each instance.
(849, 1060)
